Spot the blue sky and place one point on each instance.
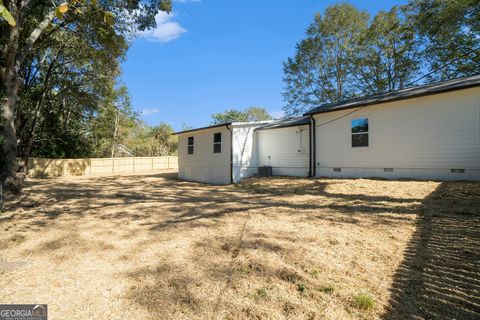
(212, 55)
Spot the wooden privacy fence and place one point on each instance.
(81, 167)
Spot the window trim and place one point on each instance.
(217, 143)
(191, 145)
(359, 133)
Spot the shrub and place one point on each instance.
(363, 301)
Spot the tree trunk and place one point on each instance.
(115, 132)
(11, 83)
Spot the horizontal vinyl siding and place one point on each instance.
(431, 134)
(204, 165)
(288, 149)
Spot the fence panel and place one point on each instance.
(81, 167)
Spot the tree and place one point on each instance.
(34, 23)
(345, 54)
(250, 114)
(257, 114)
(450, 36)
(147, 141)
(67, 77)
(388, 56)
(320, 71)
(229, 116)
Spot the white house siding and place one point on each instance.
(204, 165)
(288, 149)
(244, 154)
(422, 138)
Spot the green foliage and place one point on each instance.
(387, 57)
(250, 114)
(449, 32)
(320, 71)
(229, 116)
(363, 301)
(257, 114)
(147, 141)
(5, 15)
(347, 54)
(67, 56)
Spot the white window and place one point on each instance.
(360, 132)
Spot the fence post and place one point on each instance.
(152, 163)
(168, 162)
(133, 164)
(113, 165)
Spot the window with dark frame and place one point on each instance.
(217, 142)
(360, 132)
(190, 145)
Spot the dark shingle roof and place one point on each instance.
(283, 123)
(438, 87)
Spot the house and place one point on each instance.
(426, 132)
(218, 154)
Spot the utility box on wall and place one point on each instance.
(265, 171)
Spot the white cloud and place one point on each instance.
(150, 111)
(165, 31)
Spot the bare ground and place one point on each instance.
(154, 247)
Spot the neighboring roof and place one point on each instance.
(283, 123)
(250, 123)
(434, 88)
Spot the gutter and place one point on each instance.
(229, 128)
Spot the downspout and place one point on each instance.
(310, 149)
(231, 152)
(313, 155)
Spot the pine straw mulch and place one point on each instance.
(154, 247)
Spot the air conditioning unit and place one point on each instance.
(265, 171)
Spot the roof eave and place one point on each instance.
(203, 128)
(392, 99)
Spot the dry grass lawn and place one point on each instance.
(154, 247)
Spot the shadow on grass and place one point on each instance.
(439, 278)
(440, 275)
(162, 193)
